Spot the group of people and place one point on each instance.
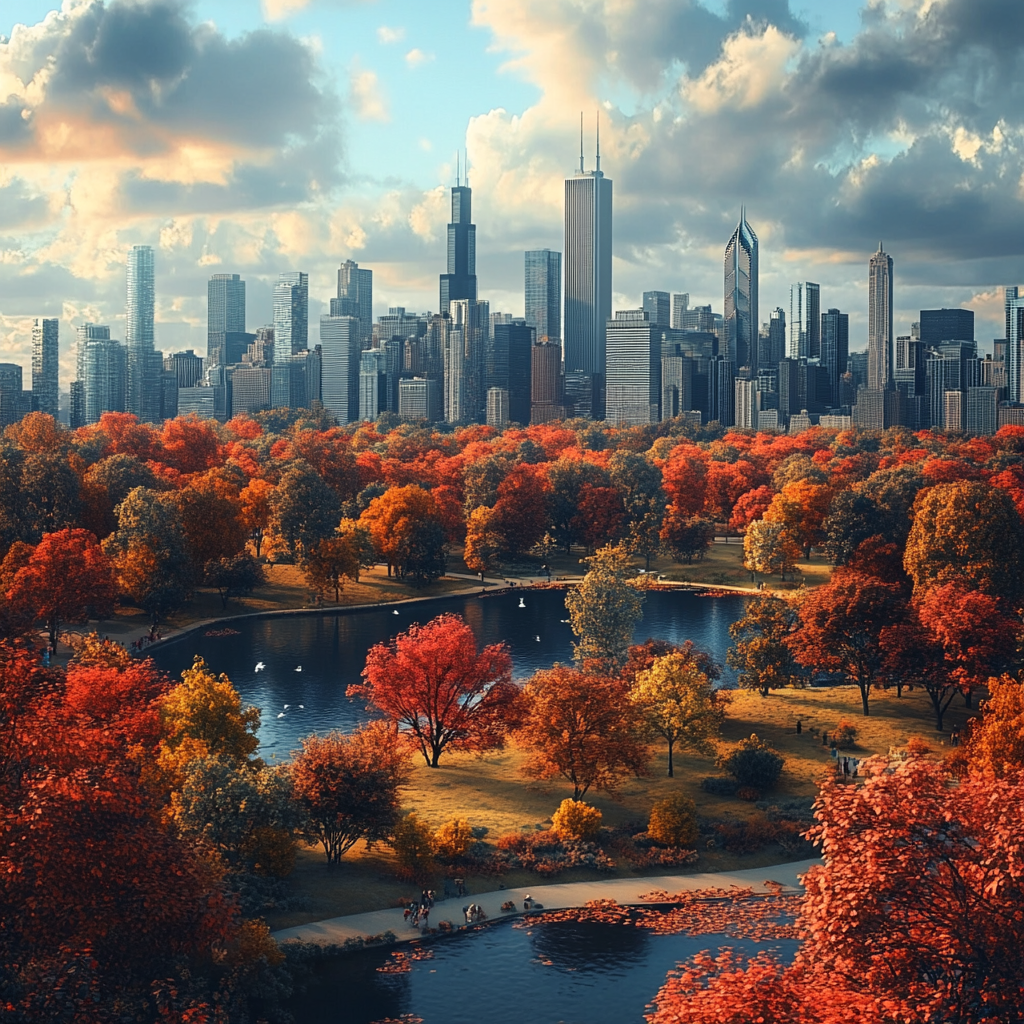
(418, 914)
(150, 638)
(474, 913)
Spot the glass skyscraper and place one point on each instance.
(339, 372)
(460, 280)
(588, 273)
(355, 298)
(740, 317)
(225, 315)
(45, 362)
(101, 373)
(880, 337)
(145, 365)
(804, 321)
(291, 316)
(544, 294)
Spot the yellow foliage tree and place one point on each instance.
(575, 819)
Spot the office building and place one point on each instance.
(187, 368)
(804, 321)
(355, 298)
(544, 294)
(740, 319)
(677, 385)
(497, 408)
(495, 319)
(470, 319)
(202, 401)
(510, 368)
(225, 319)
(340, 351)
(939, 325)
(981, 411)
(768, 419)
(102, 374)
(419, 399)
(1014, 308)
(658, 306)
(633, 388)
(880, 336)
(579, 394)
(547, 400)
(14, 401)
(680, 305)
(953, 412)
(397, 323)
(373, 383)
(698, 318)
(460, 280)
(144, 363)
(291, 316)
(454, 380)
(877, 408)
(720, 391)
(588, 274)
(835, 351)
(745, 404)
(776, 342)
(942, 374)
(45, 365)
(250, 389)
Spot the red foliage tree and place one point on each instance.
(67, 578)
(520, 513)
(434, 685)
(190, 445)
(750, 507)
(600, 517)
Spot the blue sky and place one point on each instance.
(270, 135)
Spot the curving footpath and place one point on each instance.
(336, 930)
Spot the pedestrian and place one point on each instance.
(799, 727)
(824, 737)
(407, 913)
(425, 918)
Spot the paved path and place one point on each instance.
(553, 897)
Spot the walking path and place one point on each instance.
(336, 930)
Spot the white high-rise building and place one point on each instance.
(1014, 342)
(45, 365)
(145, 364)
(291, 316)
(880, 336)
(588, 270)
(740, 317)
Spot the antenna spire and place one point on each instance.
(581, 142)
(458, 168)
(599, 140)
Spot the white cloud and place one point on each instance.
(368, 97)
(415, 57)
(386, 34)
(276, 10)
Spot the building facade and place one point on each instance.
(543, 272)
(291, 315)
(880, 335)
(144, 363)
(633, 395)
(46, 365)
(339, 371)
(740, 317)
(225, 315)
(460, 280)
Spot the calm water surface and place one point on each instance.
(558, 973)
(331, 649)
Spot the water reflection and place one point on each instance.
(588, 946)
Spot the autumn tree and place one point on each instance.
(209, 511)
(582, 727)
(520, 512)
(568, 477)
(801, 507)
(236, 574)
(640, 483)
(768, 549)
(407, 532)
(995, 741)
(254, 514)
(852, 518)
(303, 510)
(600, 517)
(750, 507)
(605, 608)
(760, 653)
(483, 542)
(329, 564)
(680, 703)
(841, 626)
(349, 786)
(967, 532)
(66, 579)
(686, 537)
(434, 685)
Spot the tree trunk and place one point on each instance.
(968, 698)
(671, 773)
(865, 689)
(54, 633)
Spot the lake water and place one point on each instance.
(557, 973)
(331, 649)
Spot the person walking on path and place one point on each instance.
(799, 727)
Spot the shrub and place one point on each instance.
(413, 846)
(754, 764)
(452, 839)
(718, 786)
(845, 735)
(748, 793)
(575, 819)
(917, 746)
(673, 822)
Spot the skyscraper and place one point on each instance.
(460, 281)
(741, 322)
(45, 386)
(880, 336)
(291, 316)
(101, 373)
(546, 389)
(339, 380)
(659, 306)
(544, 293)
(835, 349)
(145, 365)
(225, 315)
(776, 339)
(939, 325)
(588, 272)
(1014, 342)
(804, 321)
(680, 304)
(633, 369)
(355, 298)
(509, 367)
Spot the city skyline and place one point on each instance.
(323, 199)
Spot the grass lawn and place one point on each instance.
(490, 793)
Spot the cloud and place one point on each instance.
(368, 98)
(415, 57)
(386, 34)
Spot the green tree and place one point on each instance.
(679, 703)
(768, 549)
(303, 509)
(852, 518)
(567, 478)
(754, 763)
(639, 481)
(234, 574)
(968, 533)
(760, 653)
(482, 479)
(605, 608)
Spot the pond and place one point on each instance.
(330, 649)
(571, 972)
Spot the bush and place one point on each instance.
(845, 735)
(673, 822)
(452, 839)
(575, 819)
(754, 764)
(748, 793)
(917, 746)
(718, 786)
(414, 850)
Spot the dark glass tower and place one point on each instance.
(460, 281)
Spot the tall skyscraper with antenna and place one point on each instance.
(588, 271)
(460, 281)
(880, 338)
(740, 315)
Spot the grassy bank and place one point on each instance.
(491, 793)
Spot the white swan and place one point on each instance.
(260, 666)
(522, 603)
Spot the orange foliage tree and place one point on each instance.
(402, 522)
(439, 690)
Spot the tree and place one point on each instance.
(852, 518)
(995, 742)
(639, 482)
(575, 820)
(407, 531)
(483, 477)
(189, 444)
(768, 549)
(581, 726)
(483, 542)
(520, 513)
(605, 608)
(841, 627)
(255, 512)
(236, 574)
(303, 509)
(679, 703)
(329, 564)
(685, 478)
(686, 537)
(209, 511)
(567, 478)
(673, 822)
(433, 685)
(760, 652)
(750, 507)
(967, 532)
(801, 507)
(349, 786)
(754, 764)
(600, 516)
(51, 494)
(66, 579)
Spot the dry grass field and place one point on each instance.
(491, 794)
